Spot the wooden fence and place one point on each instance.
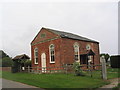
(89, 69)
(63, 69)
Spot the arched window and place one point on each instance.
(52, 53)
(76, 52)
(36, 55)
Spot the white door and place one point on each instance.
(43, 62)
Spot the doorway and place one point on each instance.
(43, 62)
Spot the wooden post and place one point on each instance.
(37, 69)
(89, 67)
(66, 68)
(20, 68)
(104, 72)
(28, 69)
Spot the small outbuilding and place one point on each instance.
(19, 62)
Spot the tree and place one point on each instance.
(3, 54)
(28, 63)
(107, 56)
(5, 60)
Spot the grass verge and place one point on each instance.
(55, 80)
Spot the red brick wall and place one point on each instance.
(68, 50)
(48, 36)
(64, 51)
(5, 69)
(44, 48)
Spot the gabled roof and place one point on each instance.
(70, 35)
(90, 52)
(19, 57)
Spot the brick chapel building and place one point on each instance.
(52, 48)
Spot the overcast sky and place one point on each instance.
(21, 21)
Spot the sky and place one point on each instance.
(21, 21)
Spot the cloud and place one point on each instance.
(22, 21)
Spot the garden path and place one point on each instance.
(114, 83)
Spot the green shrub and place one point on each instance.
(15, 66)
(28, 63)
(115, 61)
(78, 71)
(6, 62)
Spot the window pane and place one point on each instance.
(76, 57)
(36, 60)
(52, 53)
(52, 58)
(76, 52)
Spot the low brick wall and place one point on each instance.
(5, 69)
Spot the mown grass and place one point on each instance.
(62, 80)
(55, 80)
(113, 73)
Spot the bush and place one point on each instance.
(115, 61)
(6, 62)
(78, 71)
(15, 67)
(28, 63)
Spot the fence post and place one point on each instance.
(89, 67)
(66, 68)
(104, 72)
(37, 69)
(28, 69)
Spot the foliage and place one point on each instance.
(78, 71)
(107, 56)
(6, 62)
(28, 63)
(3, 54)
(55, 80)
(115, 61)
(15, 67)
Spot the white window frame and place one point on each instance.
(76, 44)
(88, 46)
(35, 56)
(50, 53)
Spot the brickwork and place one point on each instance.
(5, 69)
(64, 50)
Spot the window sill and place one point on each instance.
(52, 62)
(36, 63)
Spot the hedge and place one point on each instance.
(115, 61)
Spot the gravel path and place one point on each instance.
(114, 83)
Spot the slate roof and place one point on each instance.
(70, 35)
(19, 57)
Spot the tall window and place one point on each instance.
(36, 55)
(76, 51)
(52, 53)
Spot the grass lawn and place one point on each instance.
(61, 80)
(55, 80)
(113, 73)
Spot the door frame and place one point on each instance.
(43, 60)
